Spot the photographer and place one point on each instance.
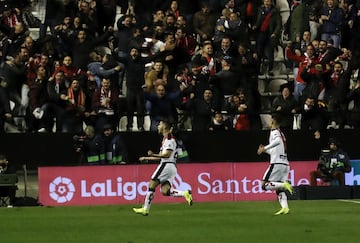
(333, 164)
(10, 191)
(91, 147)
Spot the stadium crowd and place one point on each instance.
(195, 62)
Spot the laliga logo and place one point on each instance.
(61, 189)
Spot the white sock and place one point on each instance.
(283, 200)
(148, 198)
(176, 193)
(274, 186)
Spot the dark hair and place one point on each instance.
(276, 118)
(334, 141)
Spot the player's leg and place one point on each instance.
(150, 194)
(167, 190)
(144, 210)
(275, 178)
(170, 172)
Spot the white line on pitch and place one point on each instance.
(350, 201)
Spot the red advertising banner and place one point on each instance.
(127, 184)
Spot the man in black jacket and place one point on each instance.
(332, 166)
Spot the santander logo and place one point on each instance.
(61, 189)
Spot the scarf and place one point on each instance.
(265, 24)
(79, 99)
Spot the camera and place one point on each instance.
(79, 142)
(324, 161)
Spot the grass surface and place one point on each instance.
(251, 222)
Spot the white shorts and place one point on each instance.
(277, 173)
(165, 172)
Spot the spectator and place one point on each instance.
(162, 105)
(204, 21)
(333, 164)
(9, 17)
(219, 123)
(331, 20)
(69, 69)
(33, 46)
(107, 68)
(14, 73)
(299, 20)
(220, 30)
(6, 168)
(158, 74)
(169, 23)
(335, 94)
(350, 12)
(106, 14)
(82, 45)
(306, 60)
(75, 110)
(135, 81)
(353, 116)
(88, 17)
(225, 82)
(285, 106)
(312, 117)
(185, 41)
(173, 56)
(5, 111)
(36, 61)
(182, 23)
(226, 47)
(115, 150)
(105, 104)
(123, 35)
(316, 81)
(116, 78)
(17, 36)
(268, 25)
(240, 108)
(174, 9)
(202, 109)
(54, 10)
(236, 29)
(57, 102)
(299, 48)
(4, 45)
(328, 52)
(245, 64)
(206, 58)
(38, 120)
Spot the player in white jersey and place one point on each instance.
(276, 175)
(165, 172)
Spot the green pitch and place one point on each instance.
(249, 222)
